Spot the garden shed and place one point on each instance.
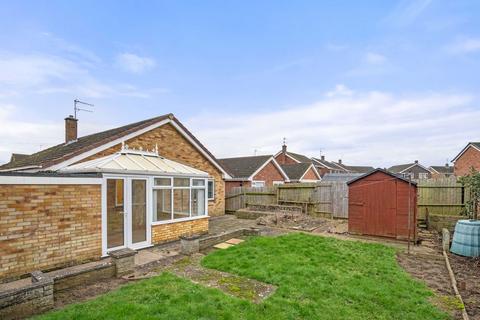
(380, 204)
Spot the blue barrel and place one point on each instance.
(466, 239)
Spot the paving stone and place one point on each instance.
(223, 245)
(234, 241)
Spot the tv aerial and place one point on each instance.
(76, 108)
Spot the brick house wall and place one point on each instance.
(310, 175)
(172, 231)
(269, 173)
(229, 185)
(322, 170)
(282, 158)
(416, 170)
(172, 145)
(470, 158)
(48, 226)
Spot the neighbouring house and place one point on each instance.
(18, 156)
(381, 203)
(322, 166)
(130, 187)
(415, 170)
(253, 171)
(441, 171)
(467, 159)
(301, 172)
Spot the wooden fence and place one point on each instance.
(324, 198)
(435, 196)
(440, 197)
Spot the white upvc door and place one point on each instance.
(138, 213)
(126, 213)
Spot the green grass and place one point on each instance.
(317, 278)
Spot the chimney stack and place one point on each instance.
(339, 161)
(71, 129)
(322, 158)
(416, 161)
(284, 148)
(446, 164)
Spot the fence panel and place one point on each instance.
(440, 197)
(239, 197)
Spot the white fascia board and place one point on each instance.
(433, 170)
(23, 169)
(275, 163)
(316, 162)
(464, 150)
(280, 152)
(314, 170)
(48, 180)
(413, 165)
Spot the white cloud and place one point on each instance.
(375, 58)
(372, 128)
(133, 63)
(52, 74)
(407, 11)
(21, 136)
(466, 45)
(340, 90)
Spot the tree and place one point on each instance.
(471, 182)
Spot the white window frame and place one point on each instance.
(213, 189)
(173, 188)
(258, 181)
(278, 182)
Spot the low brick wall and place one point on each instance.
(438, 222)
(172, 231)
(26, 301)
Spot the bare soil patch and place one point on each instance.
(467, 273)
(294, 221)
(434, 273)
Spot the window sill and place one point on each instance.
(157, 223)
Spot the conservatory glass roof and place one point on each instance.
(135, 161)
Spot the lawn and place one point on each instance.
(317, 278)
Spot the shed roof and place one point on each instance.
(132, 161)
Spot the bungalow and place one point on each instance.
(130, 187)
(467, 159)
(441, 171)
(415, 170)
(254, 171)
(301, 172)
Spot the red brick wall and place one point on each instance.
(269, 173)
(310, 175)
(283, 159)
(48, 226)
(470, 158)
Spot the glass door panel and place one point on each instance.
(115, 213)
(139, 211)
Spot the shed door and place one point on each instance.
(380, 208)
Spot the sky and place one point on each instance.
(371, 82)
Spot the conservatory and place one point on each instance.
(142, 190)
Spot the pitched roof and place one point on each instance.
(243, 167)
(296, 171)
(476, 145)
(299, 157)
(18, 156)
(383, 171)
(325, 163)
(65, 151)
(360, 169)
(443, 169)
(402, 167)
